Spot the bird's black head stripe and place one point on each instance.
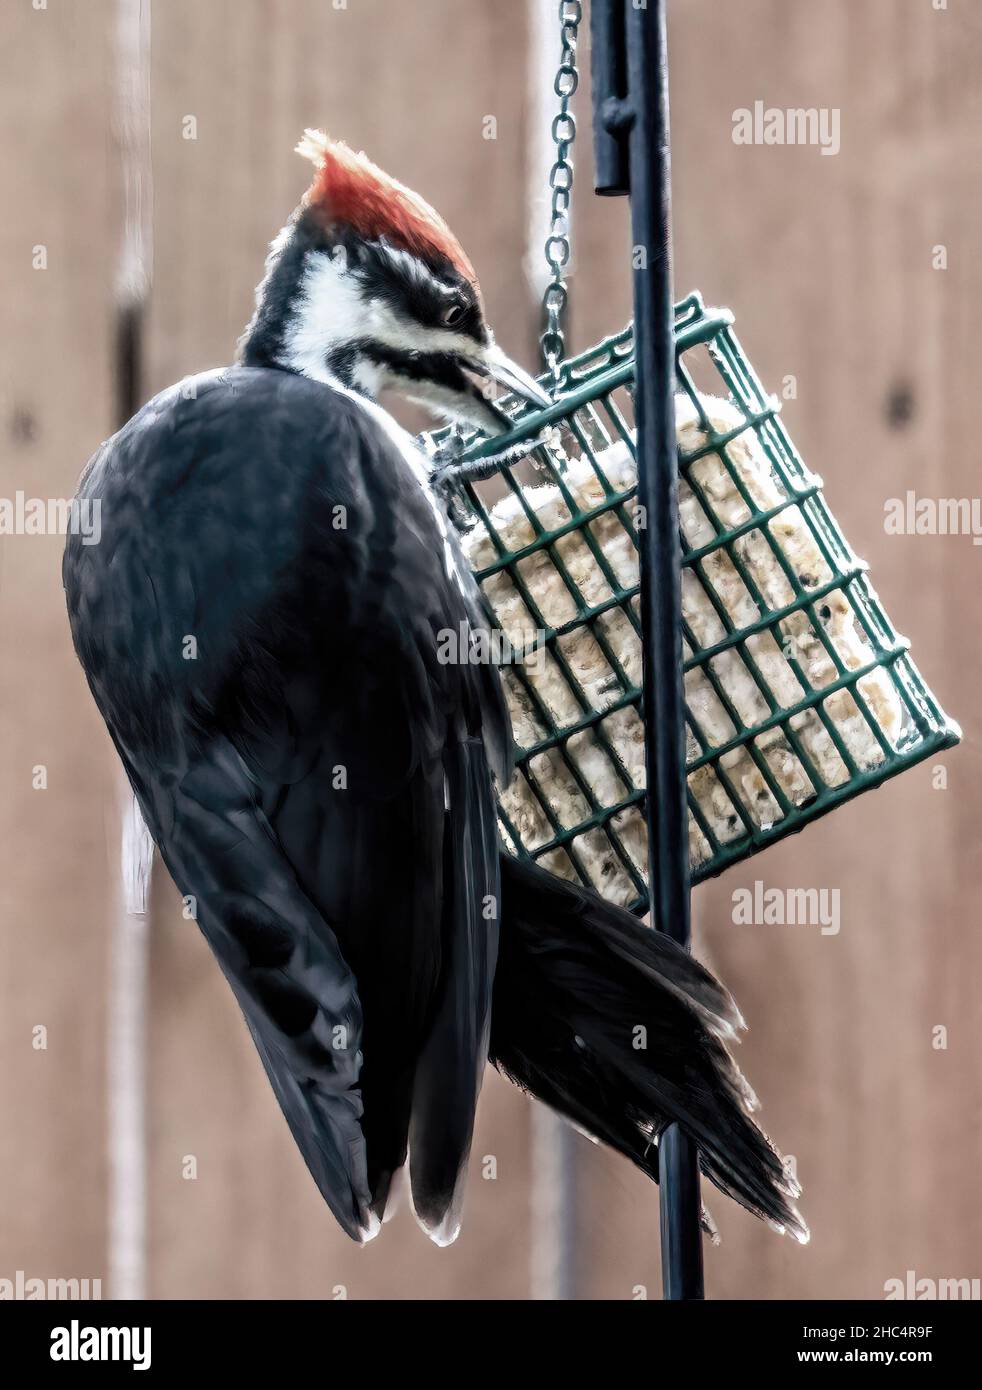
(437, 368)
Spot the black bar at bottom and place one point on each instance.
(221, 1339)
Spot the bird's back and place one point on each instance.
(259, 628)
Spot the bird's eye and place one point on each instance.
(453, 314)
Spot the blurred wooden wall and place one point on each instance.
(827, 263)
(56, 871)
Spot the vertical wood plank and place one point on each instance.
(57, 850)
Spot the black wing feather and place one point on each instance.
(259, 628)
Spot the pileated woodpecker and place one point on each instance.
(260, 627)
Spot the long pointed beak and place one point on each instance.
(511, 377)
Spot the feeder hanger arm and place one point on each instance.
(631, 135)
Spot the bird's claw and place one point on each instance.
(450, 473)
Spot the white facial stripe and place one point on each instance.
(331, 311)
(401, 331)
(369, 376)
(426, 339)
(398, 332)
(415, 269)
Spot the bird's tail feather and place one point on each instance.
(618, 1029)
(451, 1065)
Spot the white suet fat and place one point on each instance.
(609, 757)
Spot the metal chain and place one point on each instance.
(557, 247)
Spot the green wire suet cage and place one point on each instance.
(799, 692)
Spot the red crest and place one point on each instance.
(350, 189)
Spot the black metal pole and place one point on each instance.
(631, 106)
